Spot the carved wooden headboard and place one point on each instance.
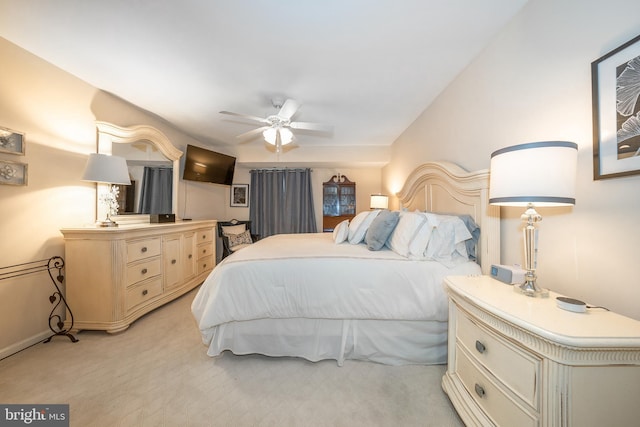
(444, 187)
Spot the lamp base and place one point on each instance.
(106, 223)
(531, 290)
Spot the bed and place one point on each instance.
(325, 296)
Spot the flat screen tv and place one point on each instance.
(208, 166)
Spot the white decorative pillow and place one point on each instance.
(418, 245)
(233, 229)
(359, 226)
(447, 242)
(405, 232)
(341, 232)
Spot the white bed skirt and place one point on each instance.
(391, 342)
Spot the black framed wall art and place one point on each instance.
(616, 112)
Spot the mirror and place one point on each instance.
(141, 155)
(141, 146)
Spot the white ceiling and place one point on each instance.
(368, 68)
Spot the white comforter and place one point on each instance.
(308, 276)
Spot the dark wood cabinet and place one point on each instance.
(338, 201)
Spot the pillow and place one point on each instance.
(472, 243)
(233, 229)
(418, 245)
(359, 225)
(447, 243)
(243, 238)
(405, 232)
(341, 232)
(380, 229)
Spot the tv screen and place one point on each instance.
(208, 166)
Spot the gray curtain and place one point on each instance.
(156, 190)
(281, 202)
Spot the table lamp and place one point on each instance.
(535, 174)
(379, 201)
(110, 170)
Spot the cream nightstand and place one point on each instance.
(520, 361)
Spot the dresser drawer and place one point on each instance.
(204, 235)
(143, 270)
(205, 250)
(503, 410)
(142, 292)
(205, 264)
(141, 249)
(517, 369)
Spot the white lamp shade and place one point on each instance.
(286, 136)
(379, 201)
(540, 173)
(107, 169)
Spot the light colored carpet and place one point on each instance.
(156, 373)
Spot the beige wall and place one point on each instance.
(57, 112)
(533, 83)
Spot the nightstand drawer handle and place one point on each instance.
(190, 256)
(144, 271)
(480, 347)
(144, 249)
(479, 390)
(145, 292)
(173, 261)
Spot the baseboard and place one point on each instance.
(26, 343)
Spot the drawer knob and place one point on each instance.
(204, 251)
(480, 347)
(204, 236)
(144, 271)
(204, 266)
(143, 249)
(173, 261)
(479, 390)
(145, 292)
(190, 256)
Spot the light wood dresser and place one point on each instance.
(115, 275)
(521, 361)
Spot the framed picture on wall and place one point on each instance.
(615, 81)
(11, 141)
(13, 173)
(239, 195)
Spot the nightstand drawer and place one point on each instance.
(143, 292)
(143, 270)
(489, 395)
(141, 249)
(518, 370)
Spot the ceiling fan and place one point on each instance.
(277, 127)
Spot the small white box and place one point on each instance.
(510, 275)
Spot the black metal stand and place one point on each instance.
(57, 298)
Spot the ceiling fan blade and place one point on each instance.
(252, 133)
(311, 126)
(245, 116)
(288, 109)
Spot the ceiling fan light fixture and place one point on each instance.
(270, 136)
(286, 136)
